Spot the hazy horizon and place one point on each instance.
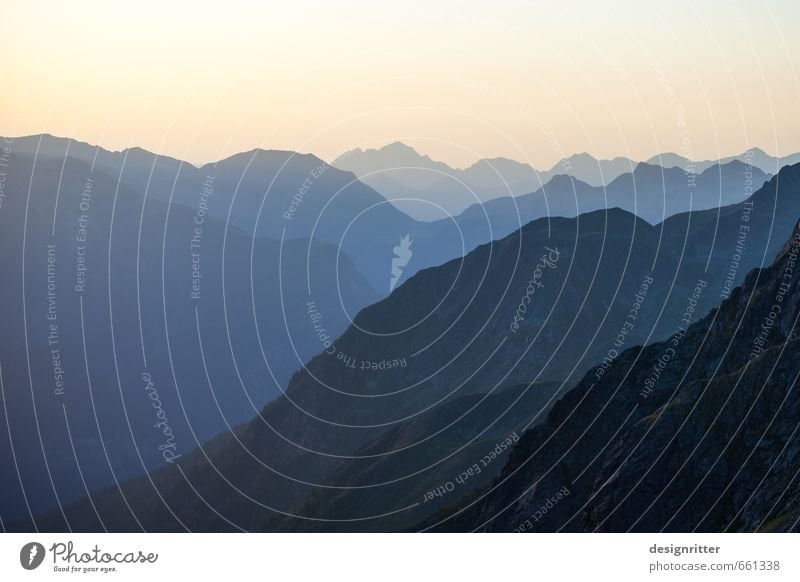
(432, 156)
(458, 82)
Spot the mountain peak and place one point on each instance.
(562, 180)
(391, 155)
(581, 158)
(260, 155)
(399, 147)
(756, 151)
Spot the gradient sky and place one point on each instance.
(458, 80)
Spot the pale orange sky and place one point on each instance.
(457, 80)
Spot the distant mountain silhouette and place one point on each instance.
(755, 157)
(430, 190)
(452, 337)
(650, 192)
(256, 191)
(588, 169)
(266, 194)
(398, 172)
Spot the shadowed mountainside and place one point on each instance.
(696, 433)
(452, 332)
(103, 286)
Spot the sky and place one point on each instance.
(531, 81)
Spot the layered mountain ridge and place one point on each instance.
(696, 433)
(329, 454)
(431, 190)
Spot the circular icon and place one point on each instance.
(31, 555)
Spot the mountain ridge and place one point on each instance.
(568, 330)
(655, 459)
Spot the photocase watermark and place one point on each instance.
(743, 231)
(347, 360)
(5, 158)
(31, 555)
(627, 326)
(693, 299)
(359, 364)
(53, 338)
(402, 255)
(680, 120)
(168, 448)
(300, 195)
(768, 323)
(315, 316)
(669, 352)
(547, 261)
(66, 559)
(473, 471)
(548, 505)
(196, 239)
(82, 236)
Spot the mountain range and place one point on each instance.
(431, 190)
(650, 192)
(756, 157)
(476, 350)
(695, 433)
(262, 193)
(132, 286)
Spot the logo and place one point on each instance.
(402, 254)
(31, 555)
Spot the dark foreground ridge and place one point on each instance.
(695, 433)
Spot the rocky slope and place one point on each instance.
(696, 433)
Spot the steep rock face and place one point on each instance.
(696, 433)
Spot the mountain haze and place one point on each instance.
(452, 332)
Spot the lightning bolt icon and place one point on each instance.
(32, 555)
